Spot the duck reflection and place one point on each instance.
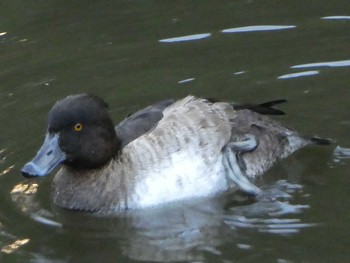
(180, 232)
(188, 231)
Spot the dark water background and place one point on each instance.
(133, 53)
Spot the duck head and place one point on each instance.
(80, 135)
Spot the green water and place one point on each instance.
(125, 52)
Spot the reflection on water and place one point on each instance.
(185, 38)
(257, 28)
(179, 232)
(2, 160)
(8, 249)
(341, 153)
(27, 189)
(299, 74)
(9, 243)
(266, 215)
(341, 63)
(336, 18)
(273, 226)
(186, 80)
(24, 196)
(176, 234)
(7, 170)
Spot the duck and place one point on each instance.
(170, 151)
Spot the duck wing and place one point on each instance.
(140, 122)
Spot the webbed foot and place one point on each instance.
(235, 166)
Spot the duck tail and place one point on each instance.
(263, 108)
(320, 141)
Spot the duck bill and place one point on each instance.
(48, 158)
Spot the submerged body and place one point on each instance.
(172, 151)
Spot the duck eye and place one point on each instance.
(78, 126)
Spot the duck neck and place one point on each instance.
(104, 189)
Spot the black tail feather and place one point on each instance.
(321, 141)
(264, 108)
(270, 104)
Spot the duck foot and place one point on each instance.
(235, 166)
(249, 144)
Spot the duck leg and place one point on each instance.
(247, 145)
(235, 166)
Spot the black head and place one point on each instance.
(80, 127)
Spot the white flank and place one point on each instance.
(186, 176)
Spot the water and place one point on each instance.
(133, 53)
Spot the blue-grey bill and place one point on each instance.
(48, 158)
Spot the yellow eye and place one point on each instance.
(78, 126)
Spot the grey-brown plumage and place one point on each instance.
(169, 151)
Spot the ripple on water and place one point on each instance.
(299, 74)
(186, 231)
(257, 28)
(267, 215)
(185, 38)
(341, 153)
(24, 196)
(10, 248)
(339, 63)
(336, 18)
(272, 226)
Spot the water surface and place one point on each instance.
(133, 53)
